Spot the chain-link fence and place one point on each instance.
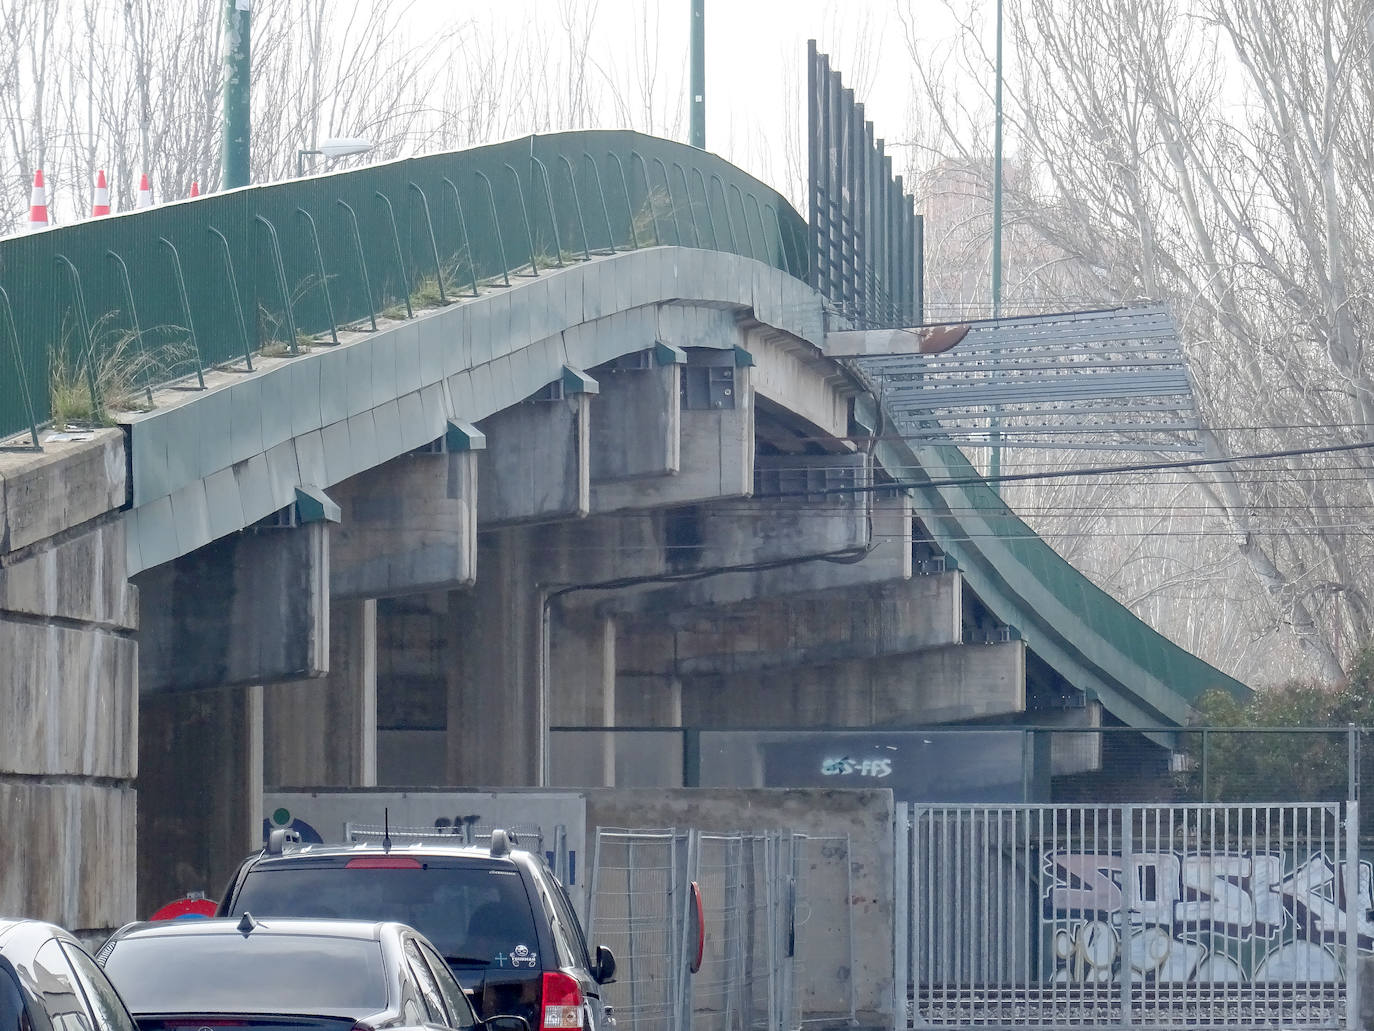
(724, 932)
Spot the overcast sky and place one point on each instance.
(750, 88)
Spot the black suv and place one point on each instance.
(497, 915)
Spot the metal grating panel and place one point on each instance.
(1115, 379)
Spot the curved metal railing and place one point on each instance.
(103, 310)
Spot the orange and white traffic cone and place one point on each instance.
(145, 193)
(101, 204)
(38, 202)
(195, 188)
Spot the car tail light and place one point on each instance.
(562, 1002)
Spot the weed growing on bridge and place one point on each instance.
(118, 369)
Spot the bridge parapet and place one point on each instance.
(108, 308)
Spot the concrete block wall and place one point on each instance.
(68, 686)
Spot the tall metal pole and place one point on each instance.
(995, 437)
(698, 105)
(234, 153)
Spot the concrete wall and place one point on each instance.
(866, 817)
(68, 686)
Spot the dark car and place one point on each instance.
(49, 983)
(497, 915)
(286, 975)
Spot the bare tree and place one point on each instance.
(1214, 155)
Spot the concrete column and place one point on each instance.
(412, 689)
(200, 794)
(68, 687)
(497, 699)
(251, 608)
(582, 693)
(323, 733)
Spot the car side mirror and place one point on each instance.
(605, 965)
(506, 1022)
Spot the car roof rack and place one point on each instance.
(519, 835)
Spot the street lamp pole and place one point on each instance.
(698, 59)
(234, 150)
(995, 436)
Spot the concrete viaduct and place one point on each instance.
(606, 495)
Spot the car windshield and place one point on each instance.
(472, 913)
(255, 973)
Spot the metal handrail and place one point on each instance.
(146, 370)
(400, 259)
(610, 233)
(362, 258)
(433, 243)
(629, 205)
(463, 228)
(233, 292)
(496, 224)
(281, 282)
(577, 203)
(324, 279)
(553, 215)
(186, 301)
(672, 201)
(648, 196)
(19, 369)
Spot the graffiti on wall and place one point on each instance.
(1225, 918)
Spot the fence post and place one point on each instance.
(1352, 766)
(1204, 764)
(901, 896)
(1352, 910)
(1127, 897)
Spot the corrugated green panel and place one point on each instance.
(541, 199)
(1104, 616)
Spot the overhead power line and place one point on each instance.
(1059, 474)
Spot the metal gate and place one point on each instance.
(1117, 916)
(777, 948)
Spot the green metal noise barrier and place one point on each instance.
(96, 314)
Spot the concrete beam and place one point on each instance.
(937, 685)
(323, 733)
(536, 466)
(636, 421)
(407, 526)
(251, 608)
(808, 551)
(716, 448)
(867, 621)
(200, 803)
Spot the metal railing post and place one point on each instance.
(324, 277)
(19, 371)
(400, 259)
(433, 243)
(138, 330)
(362, 259)
(281, 280)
